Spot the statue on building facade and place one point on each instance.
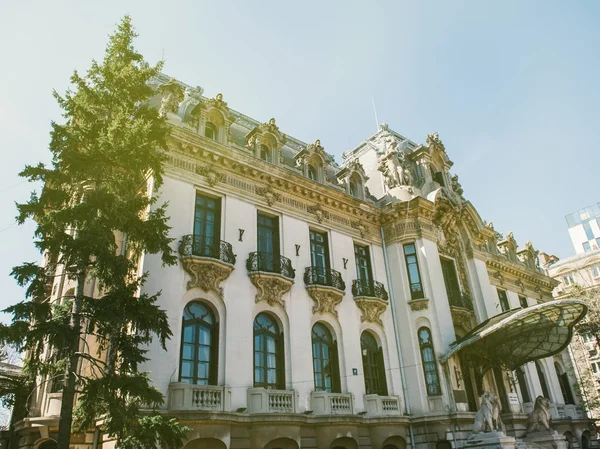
(539, 418)
(172, 94)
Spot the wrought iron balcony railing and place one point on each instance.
(368, 288)
(457, 299)
(204, 246)
(324, 276)
(271, 263)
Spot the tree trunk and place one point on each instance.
(68, 393)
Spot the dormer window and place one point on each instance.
(210, 131)
(312, 173)
(265, 153)
(353, 189)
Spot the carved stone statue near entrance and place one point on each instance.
(488, 418)
(539, 419)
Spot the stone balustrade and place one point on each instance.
(382, 405)
(261, 400)
(324, 403)
(184, 396)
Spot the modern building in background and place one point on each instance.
(584, 229)
(319, 305)
(581, 271)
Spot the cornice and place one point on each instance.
(524, 279)
(198, 160)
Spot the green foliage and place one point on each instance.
(106, 160)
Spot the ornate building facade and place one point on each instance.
(319, 305)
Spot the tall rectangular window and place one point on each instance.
(319, 257)
(586, 246)
(267, 243)
(207, 226)
(414, 276)
(523, 302)
(451, 281)
(504, 304)
(363, 264)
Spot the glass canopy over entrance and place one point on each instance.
(515, 337)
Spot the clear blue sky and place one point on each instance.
(511, 87)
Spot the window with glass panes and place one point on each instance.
(319, 257)
(199, 345)
(267, 243)
(268, 353)
(373, 365)
(504, 304)
(414, 276)
(432, 379)
(207, 232)
(363, 264)
(325, 360)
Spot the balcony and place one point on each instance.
(326, 288)
(382, 405)
(187, 397)
(461, 308)
(261, 400)
(208, 261)
(371, 298)
(324, 403)
(272, 275)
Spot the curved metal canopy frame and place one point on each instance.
(515, 337)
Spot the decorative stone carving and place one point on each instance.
(361, 227)
(396, 169)
(172, 94)
(456, 187)
(371, 309)
(488, 418)
(218, 103)
(434, 143)
(418, 304)
(520, 284)
(539, 418)
(269, 194)
(508, 247)
(192, 96)
(206, 274)
(462, 317)
(318, 211)
(326, 299)
(265, 133)
(212, 175)
(529, 256)
(500, 277)
(270, 288)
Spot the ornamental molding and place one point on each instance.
(361, 227)
(206, 274)
(418, 304)
(172, 95)
(241, 169)
(326, 298)
(514, 271)
(213, 176)
(270, 195)
(462, 317)
(318, 212)
(371, 309)
(270, 287)
(259, 134)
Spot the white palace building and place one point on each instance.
(316, 305)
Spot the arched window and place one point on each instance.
(48, 444)
(373, 366)
(265, 153)
(432, 379)
(269, 369)
(542, 377)
(354, 189)
(210, 130)
(312, 172)
(199, 345)
(325, 360)
(565, 388)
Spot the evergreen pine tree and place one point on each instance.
(96, 217)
